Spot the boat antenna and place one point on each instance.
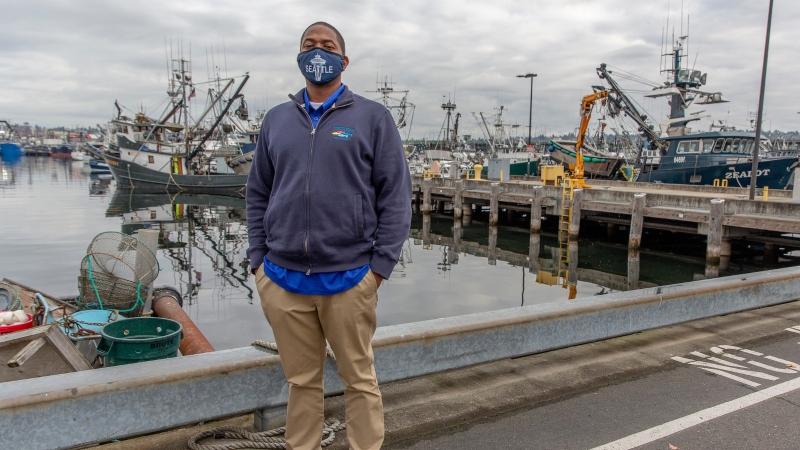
(208, 70)
(166, 56)
(661, 56)
(225, 57)
(687, 31)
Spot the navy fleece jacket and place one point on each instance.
(332, 198)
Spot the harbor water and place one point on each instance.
(51, 210)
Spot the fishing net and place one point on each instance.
(9, 297)
(116, 273)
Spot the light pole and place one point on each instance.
(530, 118)
(757, 146)
(530, 108)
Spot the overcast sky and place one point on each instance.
(65, 62)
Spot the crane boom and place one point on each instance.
(624, 104)
(576, 178)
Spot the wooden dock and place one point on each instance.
(720, 213)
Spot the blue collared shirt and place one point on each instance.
(316, 114)
(324, 283)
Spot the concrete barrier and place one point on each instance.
(96, 406)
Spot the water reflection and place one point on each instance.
(190, 226)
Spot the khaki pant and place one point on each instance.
(301, 323)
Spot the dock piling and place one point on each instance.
(771, 253)
(536, 210)
(494, 204)
(493, 245)
(458, 200)
(426, 232)
(611, 230)
(533, 253)
(633, 269)
(575, 216)
(637, 221)
(457, 232)
(572, 265)
(427, 184)
(714, 238)
(725, 254)
(796, 187)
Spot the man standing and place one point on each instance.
(328, 210)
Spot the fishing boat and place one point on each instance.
(177, 156)
(63, 151)
(240, 164)
(505, 145)
(596, 165)
(681, 155)
(98, 166)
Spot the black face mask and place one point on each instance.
(320, 66)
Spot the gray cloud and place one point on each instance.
(65, 62)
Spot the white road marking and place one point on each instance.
(725, 363)
(677, 425)
(682, 360)
(788, 363)
(751, 373)
(737, 358)
(699, 355)
(768, 367)
(793, 330)
(733, 377)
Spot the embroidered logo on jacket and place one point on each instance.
(342, 133)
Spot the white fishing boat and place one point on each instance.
(175, 152)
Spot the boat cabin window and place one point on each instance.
(749, 147)
(728, 146)
(737, 146)
(707, 145)
(688, 147)
(718, 145)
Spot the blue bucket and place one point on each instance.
(87, 324)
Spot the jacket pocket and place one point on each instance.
(284, 221)
(359, 216)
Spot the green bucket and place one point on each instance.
(139, 339)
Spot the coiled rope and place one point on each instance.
(263, 439)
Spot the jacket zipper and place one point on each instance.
(308, 179)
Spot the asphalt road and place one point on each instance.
(752, 404)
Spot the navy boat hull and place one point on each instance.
(772, 173)
(134, 176)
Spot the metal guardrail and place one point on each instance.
(96, 406)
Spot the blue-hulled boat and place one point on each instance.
(99, 166)
(709, 158)
(10, 151)
(681, 155)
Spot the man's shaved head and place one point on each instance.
(339, 37)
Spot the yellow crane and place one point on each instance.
(574, 181)
(576, 177)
